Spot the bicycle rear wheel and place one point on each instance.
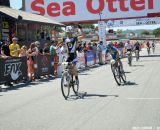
(76, 87)
(116, 74)
(122, 74)
(65, 85)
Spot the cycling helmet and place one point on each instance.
(110, 45)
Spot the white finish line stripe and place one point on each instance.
(143, 98)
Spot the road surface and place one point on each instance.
(106, 106)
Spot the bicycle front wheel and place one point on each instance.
(65, 85)
(122, 73)
(116, 74)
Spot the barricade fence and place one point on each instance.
(18, 69)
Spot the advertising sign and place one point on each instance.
(44, 65)
(90, 58)
(102, 31)
(136, 22)
(89, 10)
(13, 69)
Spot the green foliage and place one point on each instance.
(156, 32)
(119, 31)
(88, 26)
(145, 32)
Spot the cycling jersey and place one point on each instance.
(71, 44)
(137, 46)
(113, 52)
(128, 46)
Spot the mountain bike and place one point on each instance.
(137, 54)
(148, 50)
(129, 54)
(68, 81)
(118, 72)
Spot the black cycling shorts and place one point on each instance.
(71, 57)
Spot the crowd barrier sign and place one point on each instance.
(13, 69)
(44, 65)
(90, 58)
(81, 60)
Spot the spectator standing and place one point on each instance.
(99, 50)
(53, 51)
(30, 62)
(14, 47)
(23, 51)
(38, 49)
(5, 51)
(46, 49)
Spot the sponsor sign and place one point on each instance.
(44, 65)
(89, 10)
(90, 58)
(102, 31)
(13, 69)
(136, 22)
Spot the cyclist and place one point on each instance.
(148, 47)
(153, 46)
(71, 43)
(129, 49)
(114, 53)
(137, 47)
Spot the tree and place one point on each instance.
(119, 31)
(88, 26)
(156, 32)
(145, 32)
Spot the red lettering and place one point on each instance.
(122, 5)
(110, 5)
(150, 4)
(37, 8)
(69, 8)
(138, 4)
(95, 11)
(53, 9)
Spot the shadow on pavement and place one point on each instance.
(137, 66)
(27, 84)
(83, 74)
(84, 95)
(127, 72)
(129, 83)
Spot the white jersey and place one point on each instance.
(128, 46)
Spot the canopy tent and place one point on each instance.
(27, 17)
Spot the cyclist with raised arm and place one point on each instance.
(71, 43)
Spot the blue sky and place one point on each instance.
(18, 4)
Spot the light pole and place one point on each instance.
(100, 16)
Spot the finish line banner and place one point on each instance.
(92, 10)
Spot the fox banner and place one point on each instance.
(67, 11)
(13, 69)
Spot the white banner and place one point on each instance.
(136, 22)
(90, 10)
(102, 31)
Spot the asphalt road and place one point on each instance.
(106, 106)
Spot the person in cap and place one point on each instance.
(14, 48)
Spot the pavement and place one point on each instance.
(105, 106)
